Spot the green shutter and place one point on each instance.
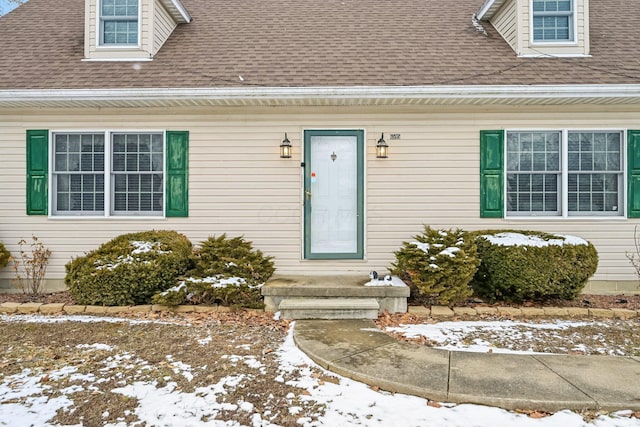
(177, 204)
(633, 174)
(491, 174)
(37, 171)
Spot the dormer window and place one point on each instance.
(129, 30)
(119, 22)
(553, 21)
(541, 28)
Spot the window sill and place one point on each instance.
(108, 218)
(566, 218)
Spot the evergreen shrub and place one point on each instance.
(439, 265)
(129, 269)
(227, 271)
(227, 291)
(531, 265)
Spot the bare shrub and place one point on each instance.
(31, 267)
(634, 257)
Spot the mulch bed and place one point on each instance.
(631, 302)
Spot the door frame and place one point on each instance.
(360, 151)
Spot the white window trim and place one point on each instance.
(548, 43)
(107, 173)
(99, 35)
(564, 166)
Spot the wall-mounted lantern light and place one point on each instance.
(382, 149)
(285, 148)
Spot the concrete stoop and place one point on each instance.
(329, 308)
(332, 297)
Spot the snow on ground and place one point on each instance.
(351, 403)
(347, 402)
(453, 335)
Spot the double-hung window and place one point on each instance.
(553, 20)
(119, 22)
(564, 173)
(108, 173)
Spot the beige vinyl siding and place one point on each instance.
(505, 21)
(163, 26)
(238, 184)
(92, 25)
(528, 47)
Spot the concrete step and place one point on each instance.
(329, 308)
(390, 298)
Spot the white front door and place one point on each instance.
(333, 194)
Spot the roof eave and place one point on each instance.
(320, 96)
(489, 8)
(177, 11)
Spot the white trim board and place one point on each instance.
(348, 95)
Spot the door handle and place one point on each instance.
(307, 194)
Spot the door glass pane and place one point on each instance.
(334, 191)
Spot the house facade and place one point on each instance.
(128, 115)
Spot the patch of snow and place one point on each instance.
(24, 399)
(41, 318)
(451, 335)
(276, 316)
(142, 247)
(96, 346)
(451, 252)
(395, 281)
(180, 368)
(424, 247)
(518, 239)
(166, 406)
(181, 287)
(205, 341)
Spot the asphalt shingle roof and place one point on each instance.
(299, 43)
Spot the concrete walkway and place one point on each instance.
(357, 349)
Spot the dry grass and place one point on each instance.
(152, 352)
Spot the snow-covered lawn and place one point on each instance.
(261, 386)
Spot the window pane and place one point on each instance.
(145, 183)
(63, 183)
(78, 173)
(598, 152)
(62, 202)
(586, 161)
(132, 162)
(538, 153)
(60, 164)
(137, 189)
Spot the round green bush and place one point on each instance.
(530, 265)
(227, 271)
(439, 264)
(129, 269)
(232, 257)
(5, 256)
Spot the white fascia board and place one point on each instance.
(460, 93)
(183, 11)
(177, 11)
